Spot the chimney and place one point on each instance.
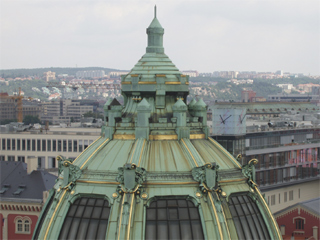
(315, 232)
(32, 164)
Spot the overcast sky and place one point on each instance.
(207, 36)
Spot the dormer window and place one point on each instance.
(4, 188)
(19, 190)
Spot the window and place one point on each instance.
(80, 146)
(3, 147)
(21, 159)
(59, 145)
(273, 200)
(23, 147)
(48, 145)
(11, 158)
(75, 144)
(87, 218)
(69, 145)
(2, 157)
(23, 225)
(19, 226)
(43, 145)
(247, 218)
(64, 145)
(291, 195)
(173, 219)
(28, 144)
(13, 144)
(299, 224)
(54, 145)
(18, 144)
(38, 145)
(8, 144)
(285, 197)
(85, 144)
(33, 144)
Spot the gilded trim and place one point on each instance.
(233, 180)
(216, 216)
(160, 75)
(124, 136)
(125, 83)
(98, 148)
(169, 183)
(54, 213)
(187, 83)
(130, 214)
(270, 214)
(198, 136)
(225, 219)
(147, 82)
(194, 160)
(85, 149)
(144, 141)
(172, 83)
(134, 75)
(163, 137)
(226, 152)
(98, 182)
(123, 197)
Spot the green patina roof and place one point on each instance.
(153, 147)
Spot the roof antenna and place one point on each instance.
(155, 11)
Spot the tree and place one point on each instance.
(29, 119)
(94, 115)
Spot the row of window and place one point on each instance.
(167, 218)
(287, 196)
(44, 145)
(286, 174)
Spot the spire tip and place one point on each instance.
(155, 11)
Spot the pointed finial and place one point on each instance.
(155, 11)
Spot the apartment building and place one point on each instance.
(43, 147)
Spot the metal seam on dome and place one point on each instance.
(87, 148)
(225, 219)
(216, 216)
(134, 149)
(98, 148)
(226, 152)
(194, 160)
(124, 194)
(144, 141)
(54, 213)
(268, 210)
(130, 213)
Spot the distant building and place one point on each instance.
(300, 221)
(7, 107)
(90, 74)
(281, 97)
(48, 76)
(247, 95)
(63, 111)
(117, 74)
(23, 193)
(191, 73)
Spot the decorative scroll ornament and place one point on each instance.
(130, 178)
(249, 171)
(71, 173)
(207, 177)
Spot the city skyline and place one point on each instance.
(204, 36)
